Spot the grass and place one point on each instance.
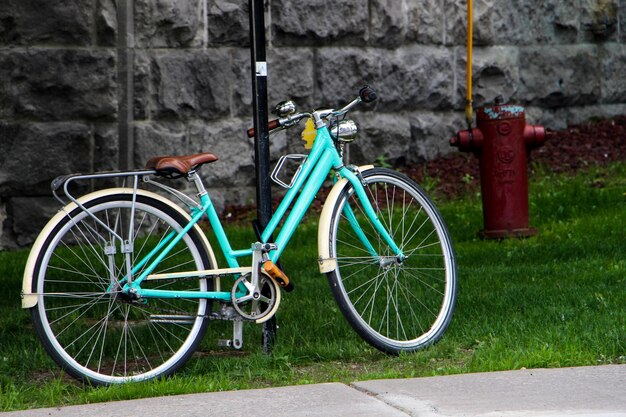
(553, 300)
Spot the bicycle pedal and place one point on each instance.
(278, 275)
(229, 343)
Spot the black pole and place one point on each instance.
(261, 135)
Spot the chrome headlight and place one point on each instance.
(345, 131)
(285, 108)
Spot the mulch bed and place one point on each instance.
(572, 150)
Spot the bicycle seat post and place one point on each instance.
(192, 176)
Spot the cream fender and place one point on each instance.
(323, 234)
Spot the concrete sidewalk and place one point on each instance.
(584, 391)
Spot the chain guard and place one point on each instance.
(258, 307)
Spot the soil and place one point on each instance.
(570, 151)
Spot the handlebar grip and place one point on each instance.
(271, 125)
(367, 94)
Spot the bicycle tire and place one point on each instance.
(394, 306)
(101, 336)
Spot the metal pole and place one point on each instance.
(125, 58)
(261, 135)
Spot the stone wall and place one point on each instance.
(90, 85)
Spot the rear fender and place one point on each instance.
(29, 299)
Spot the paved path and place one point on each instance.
(585, 391)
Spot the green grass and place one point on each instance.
(553, 300)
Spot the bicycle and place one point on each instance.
(122, 282)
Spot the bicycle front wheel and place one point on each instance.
(86, 323)
(393, 304)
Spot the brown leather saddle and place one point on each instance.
(179, 165)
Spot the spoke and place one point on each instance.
(424, 282)
(359, 248)
(413, 314)
(71, 267)
(103, 331)
(364, 283)
(426, 220)
(373, 298)
(345, 278)
(371, 282)
(420, 247)
(74, 272)
(422, 303)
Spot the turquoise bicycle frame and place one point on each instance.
(323, 158)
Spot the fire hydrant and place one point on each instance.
(502, 141)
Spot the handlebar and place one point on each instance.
(271, 125)
(366, 95)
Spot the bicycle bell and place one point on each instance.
(344, 131)
(285, 108)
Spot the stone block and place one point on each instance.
(613, 79)
(385, 137)
(235, 166)
(456, 22)
(50, 22)
(311, 22)
(168, 23)
(58, 84)
(405, 78)
(28, 216)
(561, 118)
(241, 90)
(191, 84)
(431, 133)
(622, 21)
(142, 79)
(392, 21)
(106, 23)
(495, 73)
(159, 139)
(416, 77)
(577, 115)
(527, 22)
(106, 147)
(553, 118)
(290, 76)
(599, 20)
(33, 154)
(228, 23)
(426, 21)
(341, 72)
(551, 77)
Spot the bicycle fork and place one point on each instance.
(358, 183)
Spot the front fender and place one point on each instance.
(326, 263)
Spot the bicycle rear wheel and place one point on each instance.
(395, 305)
(87, 325)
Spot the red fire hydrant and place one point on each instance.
(501, 141)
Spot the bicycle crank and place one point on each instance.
(259, 303)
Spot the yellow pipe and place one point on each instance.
(469, 111)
